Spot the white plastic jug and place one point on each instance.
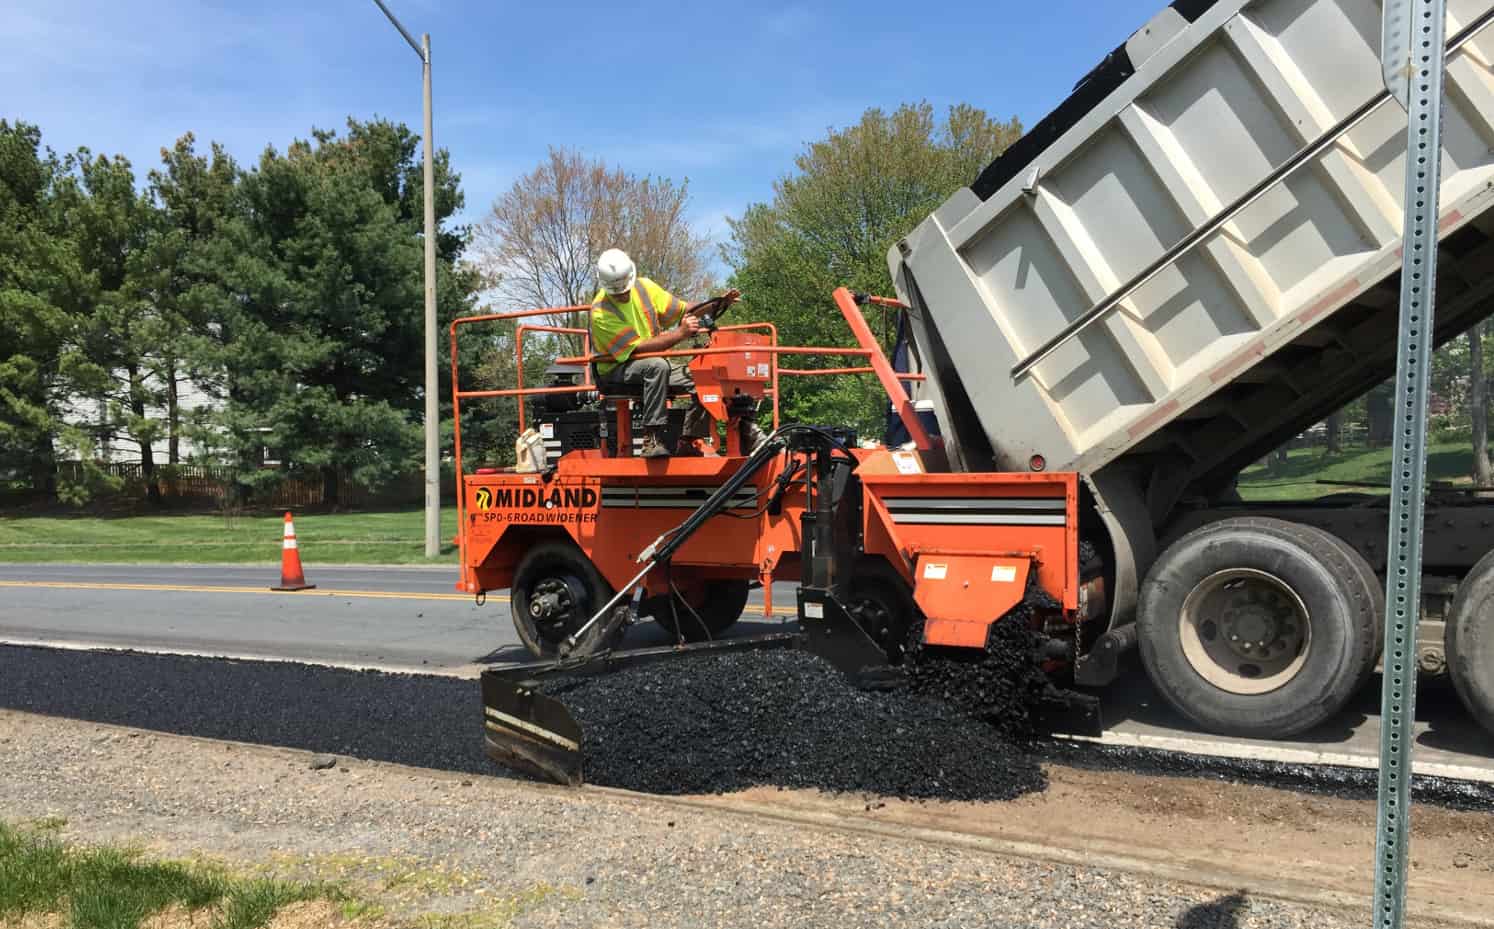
(529, 452)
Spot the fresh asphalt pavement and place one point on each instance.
(412, 618)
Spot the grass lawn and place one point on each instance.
(1449, 462)
(46, 883)
(396, 537)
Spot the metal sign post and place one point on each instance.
(1412, 56)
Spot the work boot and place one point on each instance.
(653, 447)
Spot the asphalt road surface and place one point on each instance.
(392, 617)
(405, 618)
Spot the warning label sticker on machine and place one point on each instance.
(1003, 574)
(935, 572)
(907, 463)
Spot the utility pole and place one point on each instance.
(432, 391)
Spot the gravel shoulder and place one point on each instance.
(1095, 850)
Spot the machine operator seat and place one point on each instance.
(628, 391)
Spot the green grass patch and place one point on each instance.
(1301, 477)
(393, 537)
(114, 888)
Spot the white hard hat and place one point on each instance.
(616, 271)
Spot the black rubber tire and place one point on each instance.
(1338, 599)
(1374, 585)
(1470, 642)
(550, 560)
(722, 606)
(1371, 588)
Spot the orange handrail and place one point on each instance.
(456, 411)
(810, 371)
(519, 333)
(870, 350)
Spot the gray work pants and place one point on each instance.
(658, 376)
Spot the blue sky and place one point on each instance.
(722, 94)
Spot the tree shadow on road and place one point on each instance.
(1223, 913)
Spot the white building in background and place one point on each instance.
(121, 448)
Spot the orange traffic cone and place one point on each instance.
(291, 577)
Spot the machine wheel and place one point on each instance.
(718, 610)
(1470, 642)
(556, 590)
(879, 602)
(1257, 627)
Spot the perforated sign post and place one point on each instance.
(1412, 56)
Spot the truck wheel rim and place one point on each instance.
(1245, 631)
(565, 603)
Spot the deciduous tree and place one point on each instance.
(543, 235)
(831, 222)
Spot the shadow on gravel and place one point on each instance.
(432, 722)
(1223, 913)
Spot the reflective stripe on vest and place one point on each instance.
(610, 307)
(622, 338)
(648, 306)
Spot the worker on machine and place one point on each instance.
(631, 315)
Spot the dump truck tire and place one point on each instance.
(1470, 642)
(722, 606)
(1369, 582)
(1371, 589)
(1255, 627)
(570, 591)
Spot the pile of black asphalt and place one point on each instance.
(956, 729)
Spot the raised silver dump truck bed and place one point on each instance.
(1196, 256)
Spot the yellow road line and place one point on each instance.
(185, 588)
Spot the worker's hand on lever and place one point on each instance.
(690, 325)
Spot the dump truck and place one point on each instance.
(1192, 260)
